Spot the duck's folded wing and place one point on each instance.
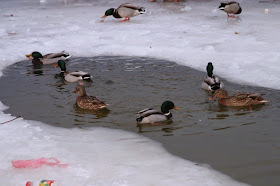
(93, 100)
(209, 81)
(217, 80)
(144, 110)
(256, 96)
(241, 95)
(212, 80)
(131, 6)
(148, 112)
(78, 73)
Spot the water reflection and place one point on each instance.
(233, 126)
(37, 70)
(102, 113)
(234, 20)
(159, 126)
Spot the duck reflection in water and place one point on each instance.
(148, 127)
(102, 113)
(37, 69)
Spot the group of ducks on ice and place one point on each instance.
(128, 10)
(211, 83)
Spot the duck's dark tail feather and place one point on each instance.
(86, 76)
(215, 86)
(142, 10)
(140, 118)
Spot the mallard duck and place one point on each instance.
(39, 59)
(72, 76)
(88, 102)
(238, 99)
(153, 116)
(231, 7)
(124, 11)
(211, 82)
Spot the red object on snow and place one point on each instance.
(35, 163)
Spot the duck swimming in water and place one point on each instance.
(39, 59)
(126, 11)
(211, 82)
(239, 99)
(153, 116)
(72, 76)
(88, 102)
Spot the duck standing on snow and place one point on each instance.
(231, 7)
(211, 82)
(88, 102)
(124, 11)
(238, 99)
(153, 116)
(39, 59)
(72, 76)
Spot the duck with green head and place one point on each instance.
(153, 116)
(72, 76)
(124, 11)
(39, 59)
(211, 82)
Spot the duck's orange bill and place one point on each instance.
(29, 55)
(104, 16)
(176, 108)
(75, 91)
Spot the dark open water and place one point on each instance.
(239, 142)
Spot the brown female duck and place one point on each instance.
(87, 102)
(238, 99)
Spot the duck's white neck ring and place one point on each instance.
(167, 114)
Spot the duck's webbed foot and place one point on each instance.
(126, 19)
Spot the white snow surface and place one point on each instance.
(243, 49)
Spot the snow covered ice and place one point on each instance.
(244, 50)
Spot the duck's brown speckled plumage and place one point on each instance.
(238, 99)
(88, 102)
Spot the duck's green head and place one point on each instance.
(210, 69)
(109, 12)
(168, 105)
(35, 55)
(62, 65)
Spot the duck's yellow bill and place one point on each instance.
(29, 55)
(176, 108)
(104, 16)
